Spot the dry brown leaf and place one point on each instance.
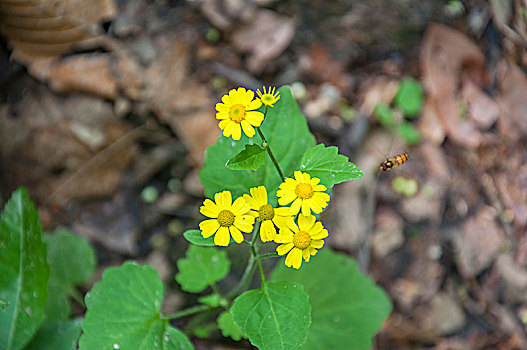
(479, 243)
(37, 29)
(73, 148)
(388, 233)
(513, 101)
(375, 90)
(318, 63)
(104, 75)
(429, 124)
(481, 108)
(180, 100)
(265, 37)
(447, 57)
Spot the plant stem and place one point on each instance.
(271, 155)
(262, 275)
(251, 265)
(187, 312)
(270, 255)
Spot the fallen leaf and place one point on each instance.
(317, 63)
(483, 110)
(104, 75)
(264, 38)
(512, 85)
(37, 29)
(447, 58)
(72, 147)
(479, 243)
(388, 232)
(445, 315)
(180, 100)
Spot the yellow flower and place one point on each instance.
(237, 112)
(305, 193)
(301, 242)
(228, 218)
(268, 98)
(266, 214)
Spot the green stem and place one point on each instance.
(271, 155)
(249, 270)
(262, 275)
(187, 312)
(270, 255)
(77, 297)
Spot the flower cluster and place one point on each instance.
(293, 227)
(299, 241)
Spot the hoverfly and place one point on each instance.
(389, 163)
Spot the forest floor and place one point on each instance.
(108, 133)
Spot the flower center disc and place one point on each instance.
(266, 212)
(304, 191)
(226, 218)
(301, 239)
(237, 113)
(267, 98)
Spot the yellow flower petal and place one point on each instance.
(236, 132)
(209, 209)
(295, 207)
(226, 99)
(236, 234)
(225, 201)
(251, 201)
(229, 128)
(321, 235)
(294, 258)
(314, 181)
(260, 194)
(244, 223)
(319, 188)
(209, 227)
(315, 229)
(223, 124)
(239, 207)
(247, 128)
(306, 208)
(222, 237)
(306, 255)
(306, 222)
(267, 231)
(285, 236)
(284, 248)
(254, 118)
(222, 107)
(317, 243)
(255, 104)
(298, 177)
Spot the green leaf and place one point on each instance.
(384, 115)
(57, 335)
(409, 133)
(3, 304)
(124, 312)
(195, 237)
(251, 158)
(228, 327)
(201, 267)
(286, 131)
(409, 97)
(347, 307)
(24, 272)
(276, 316)
(329, 166)
(72, 262)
